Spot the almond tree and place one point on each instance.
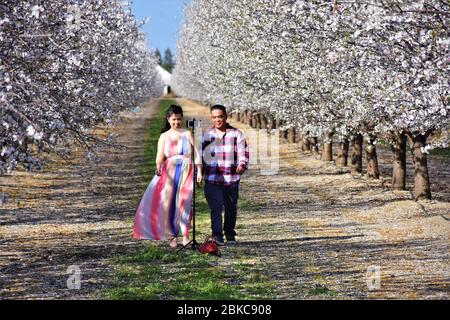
(350, 70)
(64, 68)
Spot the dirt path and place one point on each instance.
(316, 234)
(75, 214)
(323, 234)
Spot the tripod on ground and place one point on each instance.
(193, 243)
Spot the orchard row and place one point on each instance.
(348, 71)
(66, 66)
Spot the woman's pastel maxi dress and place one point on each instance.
(165, 207)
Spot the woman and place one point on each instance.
(165, 207)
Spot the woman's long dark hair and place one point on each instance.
(173, 109)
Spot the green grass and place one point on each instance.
(324, 291)
(157, 272)
(151, 141)
(443, 153)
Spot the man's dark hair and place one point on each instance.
(218, 107)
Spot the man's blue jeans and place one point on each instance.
(218, 198)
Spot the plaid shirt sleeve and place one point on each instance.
(242, 150)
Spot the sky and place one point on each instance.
(165, 18)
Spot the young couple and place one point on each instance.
(165, 208)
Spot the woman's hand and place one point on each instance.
(158, 171)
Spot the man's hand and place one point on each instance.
(199, 178)
(240, 169)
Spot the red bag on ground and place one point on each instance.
(209, 246)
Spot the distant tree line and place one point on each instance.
(168, 61)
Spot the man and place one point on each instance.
(225, 158)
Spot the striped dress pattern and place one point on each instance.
(165, 207)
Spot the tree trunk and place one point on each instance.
(357, 148)
(254, 120)
(342, 158)
(422, 188)
(291, 135)
(372, 160)
(301, 142)
(248, 118)
(277, 126)
(263, 122)
(258, 121)
(327, 151)
(279, 123)
(313, 147)
(297, 136)
(272, 124)
(305, 145)
(399, 162)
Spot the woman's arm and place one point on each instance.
(160, 157)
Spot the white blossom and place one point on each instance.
(36, 11)
(61, 81)
(31, 131)
(373, 67)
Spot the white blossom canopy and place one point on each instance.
(374, 67)
(66, 66)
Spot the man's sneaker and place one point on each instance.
(231, 240)
(219, 240)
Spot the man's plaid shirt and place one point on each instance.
(222, 154)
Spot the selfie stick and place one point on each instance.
(194, 244)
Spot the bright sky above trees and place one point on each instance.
(164, 21)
